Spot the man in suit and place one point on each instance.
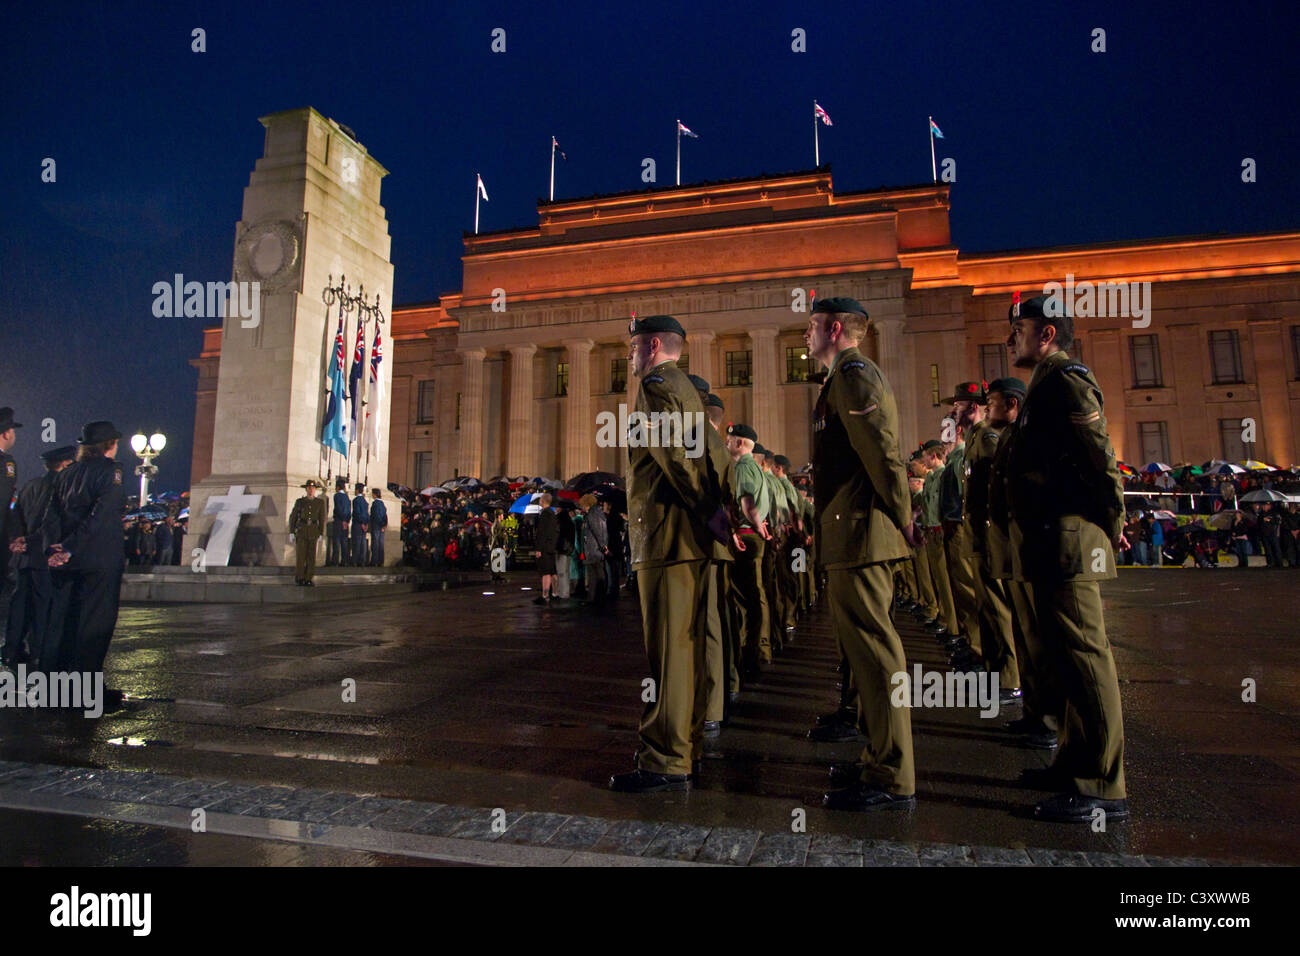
(864, 522)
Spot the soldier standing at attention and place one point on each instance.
(963, 568)
(378, 522)
(864, 521)
(8, 491)
(936, 558)
(1066, 501)
(306, 522)
(337, 553)
(674, 515)
(748, 596)
(360, 525)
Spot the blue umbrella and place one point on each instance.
(526, 505)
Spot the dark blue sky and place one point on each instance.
(1054, 144)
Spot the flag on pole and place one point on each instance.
(370, 439)
(334, 431)
(355, 383)
(556, 146)
(681, 128)
(821, 114)
(934, 128)
(482, 190)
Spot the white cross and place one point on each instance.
(227, 508)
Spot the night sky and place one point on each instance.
(154, 143)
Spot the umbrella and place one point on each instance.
(1264, 495)
(1253, 465)
(1128, 471)
(1164, 515)
(527, 504)
(432, 490)
(1222, 520)
(183, 513)
(151, 512)
(1227, 468)
(591, 480)
(1155, 468)
(1186, 470)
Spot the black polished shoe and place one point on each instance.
(1076, 808)
(841, 716)
(1009, 695)
(712, 729)
(860, 797)
(643, 781)
(834, 733)
(1047, 740)
(845, 774)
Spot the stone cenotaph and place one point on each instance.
(311, 216)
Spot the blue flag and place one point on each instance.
(334, 432)
(355, 381)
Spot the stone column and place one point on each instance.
(520, 437)
(1273, 437)
(893, 361)
(579, 425)
(471, 413)
(768, 420)
(1107, 364)
(699, 346)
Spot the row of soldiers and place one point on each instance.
(996, 536)
(61, 538)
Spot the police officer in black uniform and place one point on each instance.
(30, 608)
(8, 488)
(360, 525)
(336, 551)
(82, 532)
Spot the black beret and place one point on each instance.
(655, 323)
(760, 450)
(970, 392)
(712, 401)
(1009, 386)
(781, 460)
(840, 304)
(932, 443)
(742, 431)
(700, 384)
(64, 453)
(1035, 309)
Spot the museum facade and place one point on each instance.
(508, 375)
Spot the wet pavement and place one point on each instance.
(467, 702)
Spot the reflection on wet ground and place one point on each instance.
(486, 700)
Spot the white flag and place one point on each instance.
(375, 401)
(482, 190)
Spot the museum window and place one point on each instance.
(739, 367)
(618, 375)
(1225, 358)
(458, 411)
(1295, 348)
(1153, 437)
(798, 364)
(1144, 350)
(425, 411)
(993, 362)
(423, 469)
(561, 379)
(934, 386)
(1234, 449)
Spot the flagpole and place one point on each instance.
(934, 174)
(817, 153)
(477, 179)
(552, 169)
(679, 152)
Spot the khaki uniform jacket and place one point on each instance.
(859, 483)
(930, 498)
(721, 472)
(308, 517)
(670, 497)
(1063, 485)
(981, 446)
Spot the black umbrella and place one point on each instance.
(594, 481)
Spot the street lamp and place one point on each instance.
(147, 449)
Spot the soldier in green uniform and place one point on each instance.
(777, 519)
(785, 567)
(751, 495)
(1066, 499)
(674, 515)
(963, 569)
(864, 521)
(306, 523)
(945, 622)
(927, 609)
(994, 608)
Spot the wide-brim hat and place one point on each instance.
(7, 419)
(92, 433)
(311, 483)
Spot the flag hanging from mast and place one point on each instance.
(681, 128)
(334, 431)
(355, 383)
(370, 439)
(821, 114)
(934, 128)
(482, 190)
(556, 147)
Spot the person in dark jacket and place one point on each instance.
(82, 533)
(595, 551)
(163, 538)
(548, 539)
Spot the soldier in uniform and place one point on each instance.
(936, 559)
(378, 522)
(29, 610)
(1067, 505)
(864, 521)
(963, 574)
(749, 597)
(360, 525)
(778, 522)
(8, 493)
(338, 553)
(306, 523)
(82, 534)
(785, 565)
(674, 514)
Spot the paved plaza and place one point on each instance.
(484, 730)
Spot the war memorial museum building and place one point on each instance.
(508, 375)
